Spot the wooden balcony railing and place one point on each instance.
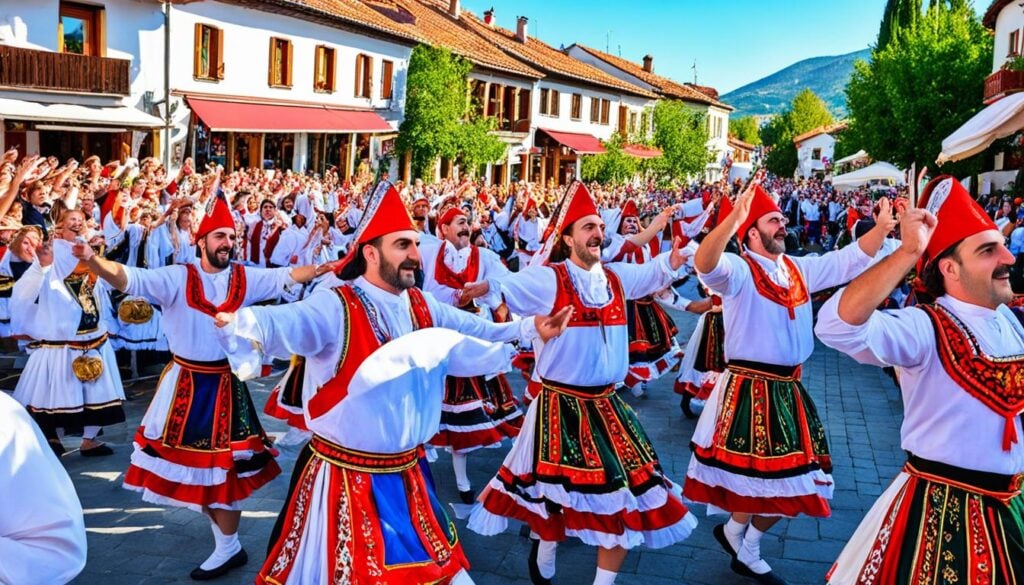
(1003, 82)
(34, 69)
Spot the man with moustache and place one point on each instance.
(264, 234)
(960, 363)
(201, 445)
(372, 392)
(760, 451)
(652, 334)
(582, 465)
(420, 209)
(71, 379)
(480, 411)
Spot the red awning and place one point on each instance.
(248, 117)
(640, 151)
(581, 143)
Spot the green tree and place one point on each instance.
(613, 166)
(806, 112)
(921, 87)
(436, 114)
(745, 129)
(899, 15)
(682, 135)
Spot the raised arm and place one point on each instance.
(711, 249)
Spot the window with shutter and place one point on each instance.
(595, 110)
(208, 53)
(577, 106)
(606, 112)
(323, 69)
(387, 75)
(554, 102)
(280, 69)
(544, 96)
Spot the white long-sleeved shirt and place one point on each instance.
(490, 268)
(42, 532)
(941, 421)
(290, 244)
(760, 330)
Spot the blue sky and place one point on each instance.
(733, 43)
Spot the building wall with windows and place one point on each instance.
(226, 51)
(812, 152)
(556, 112)
(1009, 36)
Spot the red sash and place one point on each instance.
(612, 313)
(361, 337)
(254, 243)
(633, 254)
(195, 296)
(997, 382)
(457, 280)
(791, 297)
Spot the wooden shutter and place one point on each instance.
(368, 84)
(197, 52)
(288, 60)
(359, 76)
(332, 68)
(554, 102)
(219, 53)
(385, 86)
(270, 64)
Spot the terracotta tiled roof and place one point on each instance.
(989, 20)
(837, 127)
(436, 27)
(704, 89)
(353, 12)
(733, 141)
(663, 85)
(549, 59)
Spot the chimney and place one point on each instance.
(454, 9)
(489, 17)
(648, 63)
(521, 32)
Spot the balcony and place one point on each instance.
(1001, 83)
(47, 70)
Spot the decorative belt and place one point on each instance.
(1003, 487)
(585, 392)
(84, 345)
(363, 461)
(214, 367)
(767, 371)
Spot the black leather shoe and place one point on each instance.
(769, 578)
(535, 576)
(719, 532)
(234, 562)
(467, 497)
(100, 451)
(684, 405)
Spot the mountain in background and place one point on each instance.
(826, 76)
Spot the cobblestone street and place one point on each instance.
(133, 542)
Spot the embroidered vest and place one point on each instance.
(612, 313)
(997, 382)
(81, 283)
(195, 296)
(791, 297)
(362, 336)
(444, 275)
(254, 243)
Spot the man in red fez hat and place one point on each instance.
(583, 466)
(653, 349)
(361, 482)
(201, 445)
(961, 378)
(478, 411)
(742, 465)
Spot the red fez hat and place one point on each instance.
(629, 209)
(217, 218)
(762, 204)
(959, 215)
(531, 203)
(450, 214)
(577, 203)
(384, 214)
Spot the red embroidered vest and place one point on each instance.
(254, 243)
(997, 382)
(791, 297)
(444, 275)
(612, 313)
(362, 338)
(195, 296)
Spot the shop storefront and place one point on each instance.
(560, 154)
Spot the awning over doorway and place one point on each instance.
(996, 121)
(641, 151)
(106, 116)
(228, 116)
(580, 143)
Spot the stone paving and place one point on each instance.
(133, 542)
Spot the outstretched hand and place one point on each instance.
(885, 220)
(916, 228)
(741, 207)
(223, 319)
(552, 326)
(680, 254)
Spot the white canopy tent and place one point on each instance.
(879, 172)
(859, 155)
(998, 120)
